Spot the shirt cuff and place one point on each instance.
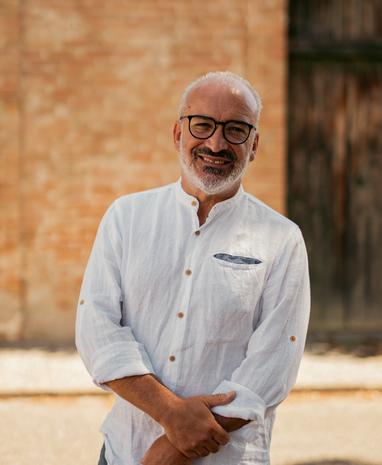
(246, 405)
(119, 361)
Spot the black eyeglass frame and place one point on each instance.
(222, 123)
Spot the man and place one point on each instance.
(195, 300)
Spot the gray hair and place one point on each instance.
(222, 77)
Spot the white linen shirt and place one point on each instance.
(155, 298)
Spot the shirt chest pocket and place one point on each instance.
(239, 273)
(232, 295)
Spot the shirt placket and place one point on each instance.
(181, 313)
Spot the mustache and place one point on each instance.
(225, 154)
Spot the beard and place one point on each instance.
(213, 180)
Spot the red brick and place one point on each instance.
(75, 85)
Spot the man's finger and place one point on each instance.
(221, 436)
(219, 399)
(191, 454)
(213, 446)
(202, 451)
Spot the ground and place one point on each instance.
(312, 428)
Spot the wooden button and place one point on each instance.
(292, 338)
(82, 301)
(197, 233)
(180, 314)
(188, 272)
(194, 203)
(172, 358)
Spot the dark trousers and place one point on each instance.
(102, 459)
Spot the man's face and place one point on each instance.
(215, 165)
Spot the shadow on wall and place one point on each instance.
(333, 462)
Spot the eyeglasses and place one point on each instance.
(203, 127)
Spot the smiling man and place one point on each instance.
(195, 301)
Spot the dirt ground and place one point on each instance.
(311, 429)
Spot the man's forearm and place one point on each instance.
(230, 424)
(145, 392)
(188, 422)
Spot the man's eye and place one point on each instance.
(236, 129)
(202, 126)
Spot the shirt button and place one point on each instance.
(180, 314)
(292, 338)
(172, 358)
(194, 203)
(82, 301)
(197, 233)
(188, 272)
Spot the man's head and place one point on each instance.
(214, 156)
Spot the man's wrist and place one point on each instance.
(169, 410)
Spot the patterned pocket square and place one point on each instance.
(237, 259)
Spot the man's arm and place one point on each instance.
(162, 451)
(269, 369)
(110, 351)
(188, 422)
(230, 424)
(150, 395)
(147, 393)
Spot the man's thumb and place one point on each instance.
(220, 399)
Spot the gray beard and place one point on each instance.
(213, 182)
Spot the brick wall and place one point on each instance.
(77, 78)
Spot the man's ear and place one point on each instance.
(254, 147)
(176, 133)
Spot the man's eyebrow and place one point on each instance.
(225, 120)
(239, 121)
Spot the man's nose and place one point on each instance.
(217, 142)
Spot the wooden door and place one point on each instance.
(335, 157)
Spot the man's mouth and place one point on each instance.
(214, 161)
(221, 158)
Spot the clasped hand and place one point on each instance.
(191, 431)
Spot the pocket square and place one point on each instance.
(237, 259)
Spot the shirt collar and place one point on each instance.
(187, 199)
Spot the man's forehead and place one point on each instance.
(222, 89)
(222, 93)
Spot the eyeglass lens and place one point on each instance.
(203, 127)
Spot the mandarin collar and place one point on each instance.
(191, 201)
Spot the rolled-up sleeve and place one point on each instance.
(269, 369)
(108, 349)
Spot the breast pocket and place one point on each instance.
(243, 279)
(233, 297)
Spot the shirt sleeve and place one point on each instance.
(108, 348)
(269, 369)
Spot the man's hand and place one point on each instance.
(162, 452)
(189, 424)
(191, 427)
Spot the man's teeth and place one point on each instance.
(211, 160)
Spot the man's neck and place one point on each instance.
(207, 201)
